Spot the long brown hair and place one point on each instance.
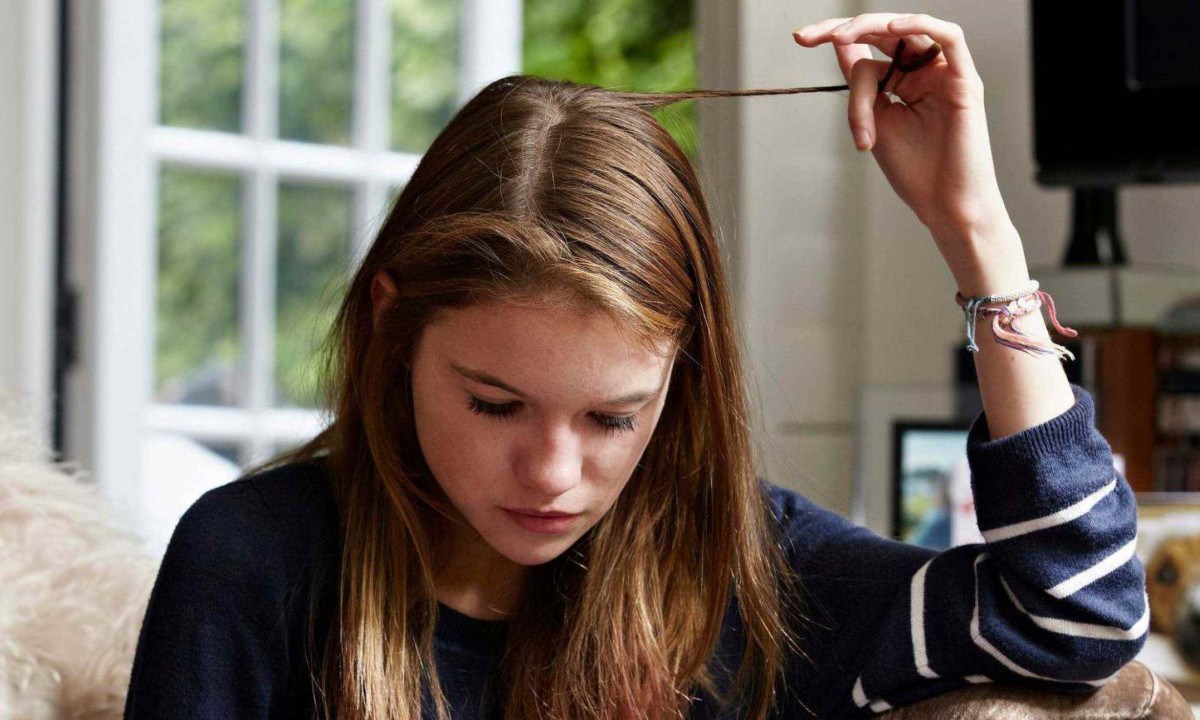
(546, 191)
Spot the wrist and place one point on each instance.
(986, 261)
(993, 280)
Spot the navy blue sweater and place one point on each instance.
(1055, 596)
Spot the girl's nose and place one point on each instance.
(553, 463)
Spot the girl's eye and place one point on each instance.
(610, 423)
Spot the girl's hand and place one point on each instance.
(933, 146)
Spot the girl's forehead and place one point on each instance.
(516, 326)
(547, 353)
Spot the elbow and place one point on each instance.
(1104, 668)
(1105, 658)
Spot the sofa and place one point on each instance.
(1136, 692)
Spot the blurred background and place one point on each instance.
(187, 184)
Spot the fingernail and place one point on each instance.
(862, 139)
(901, 21)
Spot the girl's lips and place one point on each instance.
(542, 525)
(535, 513)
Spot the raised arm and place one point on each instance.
(933, 146)
(1055, 595)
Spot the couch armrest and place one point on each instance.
(1136, 693)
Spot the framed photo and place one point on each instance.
(880, 406)
(932, 504)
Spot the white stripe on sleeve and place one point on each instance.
(917, 622)
(1095, 572)
(1081, 629)
(1065, 515)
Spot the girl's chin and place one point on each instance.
(536, 550)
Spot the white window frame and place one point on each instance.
(115, 152)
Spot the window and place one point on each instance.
(246, 152)
(234, 159)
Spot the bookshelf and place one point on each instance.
(1177, 419)
(1146, 384)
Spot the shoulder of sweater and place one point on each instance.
(802, 521)
(275, 523)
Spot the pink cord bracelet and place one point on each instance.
(1003, 320)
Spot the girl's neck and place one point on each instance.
(478, 582)
(473, 603)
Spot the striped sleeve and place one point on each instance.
(1054, 596)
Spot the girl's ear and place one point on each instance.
(383, 292)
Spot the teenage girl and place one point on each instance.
(536, 497)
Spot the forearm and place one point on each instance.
(1019, 389)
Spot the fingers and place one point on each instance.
(866, 23)
(947, 34)
(877, 25)
(885, 43)
(922, 59)
(830, 30)
(864, 80)
(920, 30)
(848, 55)
(811, 30)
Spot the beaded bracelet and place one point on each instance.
(1003, 318)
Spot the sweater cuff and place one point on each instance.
(1039, 469)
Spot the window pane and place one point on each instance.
(425, 70)
(313, 260)
(197, 345)
(201, 62)
(316, 70)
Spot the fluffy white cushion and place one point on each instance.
(74, 583)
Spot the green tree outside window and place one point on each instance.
(631, 45)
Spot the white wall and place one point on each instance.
(27, 115)
(802, 232)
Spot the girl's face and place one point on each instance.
(532, 409)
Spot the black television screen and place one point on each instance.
(1115, 87)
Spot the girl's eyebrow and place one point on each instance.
(486, 379)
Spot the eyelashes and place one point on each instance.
(612, 425)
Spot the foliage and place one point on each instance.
(312, 257)
(201, 63)
(634, 45)
(316, 70)
(425, 68)
(198, 284)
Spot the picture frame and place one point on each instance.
(932, 504)
(879, 407)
